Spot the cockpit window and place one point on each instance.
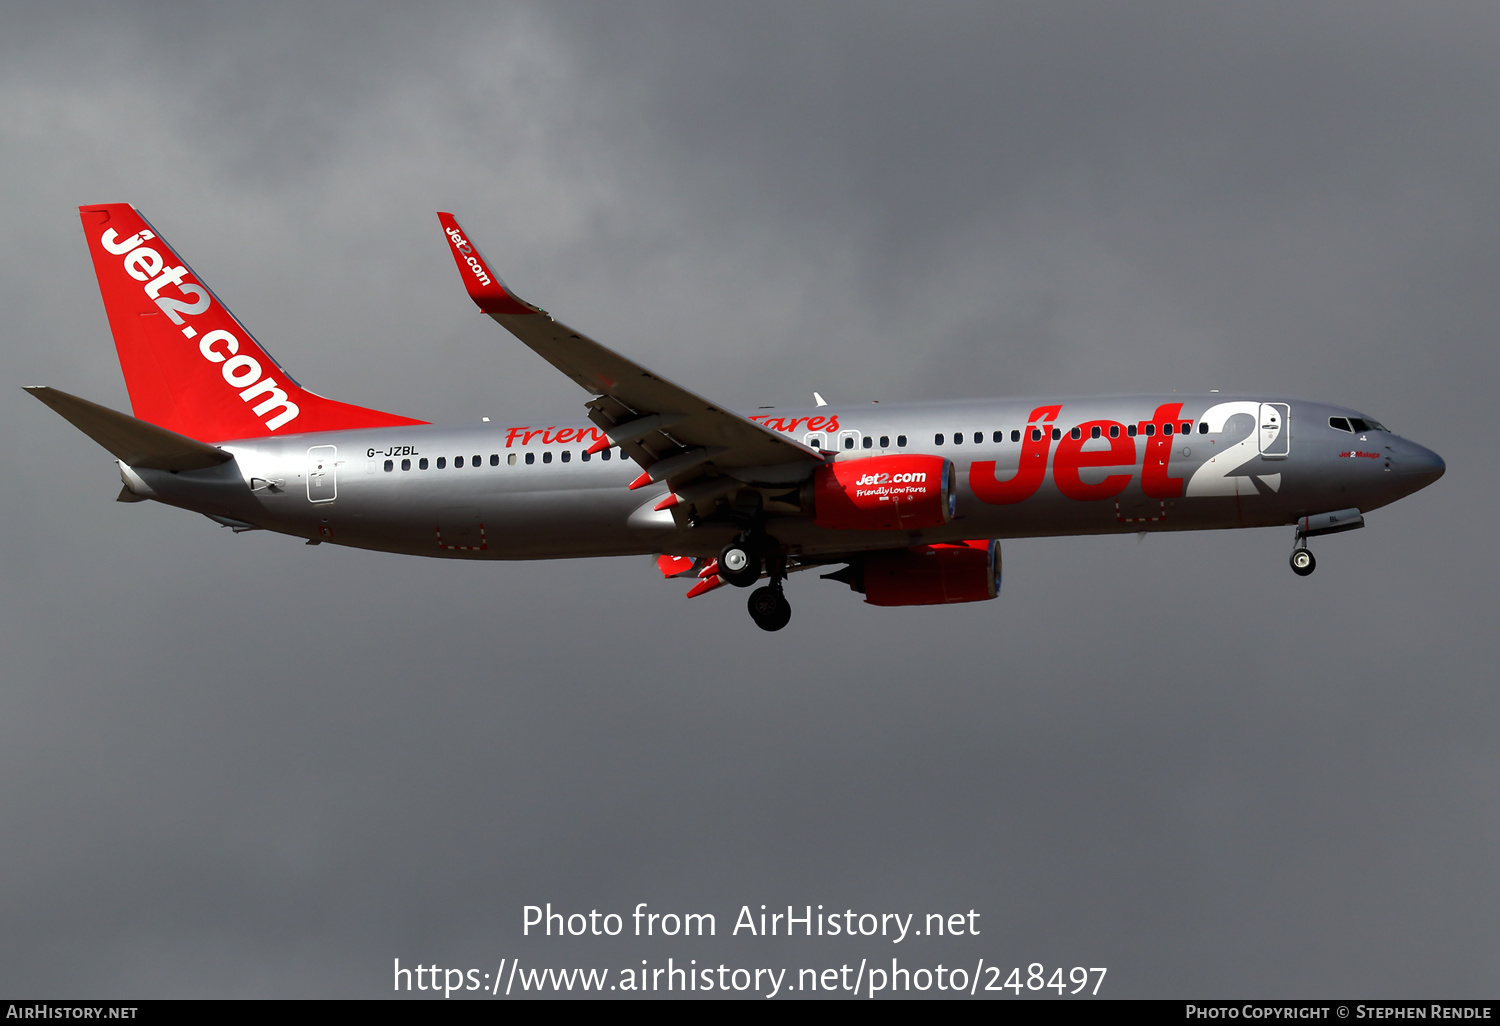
(1357, 424)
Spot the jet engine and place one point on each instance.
(927, 575)
(884, 493)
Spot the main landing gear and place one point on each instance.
(769, 608)
(741, 564)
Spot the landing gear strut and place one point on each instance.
(1318, 525)
(769, 608)
(1302, 559)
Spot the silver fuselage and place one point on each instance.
(1244, 461)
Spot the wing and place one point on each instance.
(700, 449)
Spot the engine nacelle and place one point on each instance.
(930, 575)
(884, 493)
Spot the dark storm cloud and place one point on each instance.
(237, 765)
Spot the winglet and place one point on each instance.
(489, 293)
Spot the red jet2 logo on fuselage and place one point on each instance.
(1071, 459)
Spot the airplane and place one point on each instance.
(904, 503)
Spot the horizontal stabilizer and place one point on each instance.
(134, 442)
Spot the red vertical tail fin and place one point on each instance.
(189, 364)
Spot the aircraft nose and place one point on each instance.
(1421, 465)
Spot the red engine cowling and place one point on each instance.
(930, 575)
(884, 493)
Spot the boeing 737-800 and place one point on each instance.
(903, 503)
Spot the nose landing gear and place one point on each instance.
(1336, 522)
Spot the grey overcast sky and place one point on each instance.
(240, 766)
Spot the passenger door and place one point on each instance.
(1275, 431)
(322, 473)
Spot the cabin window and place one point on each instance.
(510, 459)
(406, 464)
(1056, 433)
(604, 455)
(422, 463)
(1114, 431)
(958, 438)
(848, 441)
(1187, 427)
(869, 442)
(1075, 433)
(390, 465)
(979, 437)
(1094, 431)
(1203, 427)
(475, 461)
(901, 441)
(584, 455)
(1150, 430)
(1166, 429)
(1130, 430)
(1015, 435)
(885, 441)
(997, 437)
(547, 456)
(1036, 434)
(442, 462)
(458, 461)
(530, 458)
(567, 454)
(937, 439)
